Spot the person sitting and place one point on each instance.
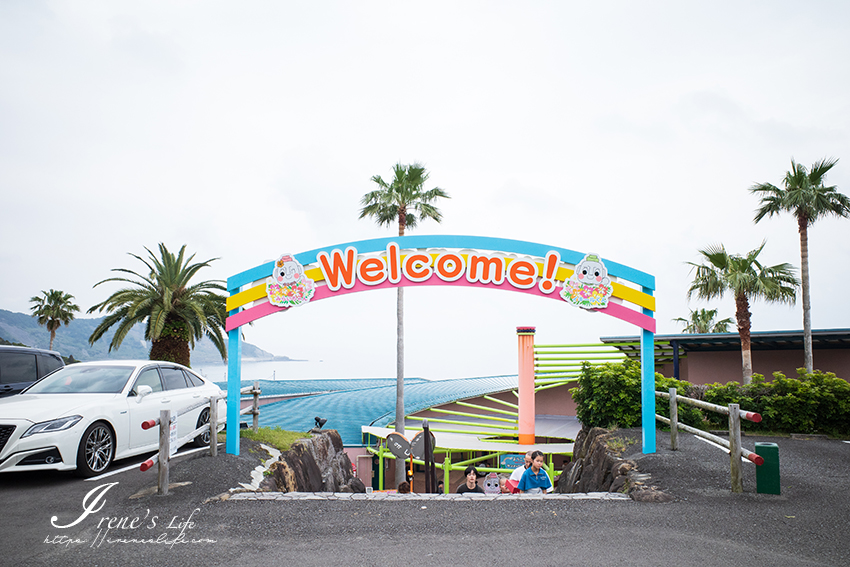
(513, 481)
(404, 487)
(535, 480)
(471, 484)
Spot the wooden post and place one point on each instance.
(674, 421)
(735, 447)
(447, 469)
(164, 450)
(213, 426)
(426, 432)
(256, 407)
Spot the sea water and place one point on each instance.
(285, 370)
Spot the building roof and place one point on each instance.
(760, 340)
(348, 409)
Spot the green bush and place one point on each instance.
(808, 403)
(750, 397)
(819, 402)
(609, 394)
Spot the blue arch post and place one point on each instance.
(234, 385)
(647, 384)
(647, 389)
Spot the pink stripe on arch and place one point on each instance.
(323, 292)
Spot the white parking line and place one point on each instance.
(137, 465)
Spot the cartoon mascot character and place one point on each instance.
(288, 287)
(589, 287)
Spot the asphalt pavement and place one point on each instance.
(56, 519)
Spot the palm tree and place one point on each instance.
(404, 201)
(745, 278)
(703, 321)
(807, 199)
(175, 312)
(52, 308)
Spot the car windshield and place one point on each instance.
(78, 379)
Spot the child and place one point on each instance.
(535, 480)
(471, 484)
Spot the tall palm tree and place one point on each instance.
(806, 197)
(53, 308)
(175, 311)
(703, 321)
(745, 278)
(405, 201)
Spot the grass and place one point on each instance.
(617, 444)
(278, 438)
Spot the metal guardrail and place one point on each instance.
(735, 413)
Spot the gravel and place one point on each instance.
(705, 524)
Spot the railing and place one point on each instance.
(255, 407)
(735, 413)
(165, 445)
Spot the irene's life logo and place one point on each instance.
(145, 529)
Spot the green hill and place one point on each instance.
(73, 340)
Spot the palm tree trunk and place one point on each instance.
(400, 465)
(802, 227)
(742, 313)
(52, 336)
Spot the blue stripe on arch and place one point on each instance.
(447, 241)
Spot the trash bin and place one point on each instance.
(767, 475)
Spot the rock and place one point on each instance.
(652, 494)
(594, 467)
(317, 464)
(618, 483)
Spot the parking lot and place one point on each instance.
(55, 519)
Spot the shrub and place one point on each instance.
(750, 397)
(609, 394)
(808, 403)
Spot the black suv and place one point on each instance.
(21, 366)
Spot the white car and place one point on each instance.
(85, 415)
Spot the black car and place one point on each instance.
(21, 366)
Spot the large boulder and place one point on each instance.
(317, 464)
(595, 467)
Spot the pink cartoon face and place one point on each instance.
(287, 270)
(592, 272)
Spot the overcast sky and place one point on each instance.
(250, 129)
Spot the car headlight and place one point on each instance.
(53, 425)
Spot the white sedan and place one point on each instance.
(85, 415)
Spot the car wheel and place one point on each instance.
(203, 440)
(97, 448)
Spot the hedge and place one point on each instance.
(819, 402)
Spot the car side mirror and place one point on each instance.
(142, 391)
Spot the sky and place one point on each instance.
(247, 130)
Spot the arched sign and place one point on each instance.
(583, 280)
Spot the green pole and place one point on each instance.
(381, 467)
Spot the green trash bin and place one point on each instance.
(767, 474)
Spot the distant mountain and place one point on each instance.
(74, 340)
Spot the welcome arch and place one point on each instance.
(546, 271)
